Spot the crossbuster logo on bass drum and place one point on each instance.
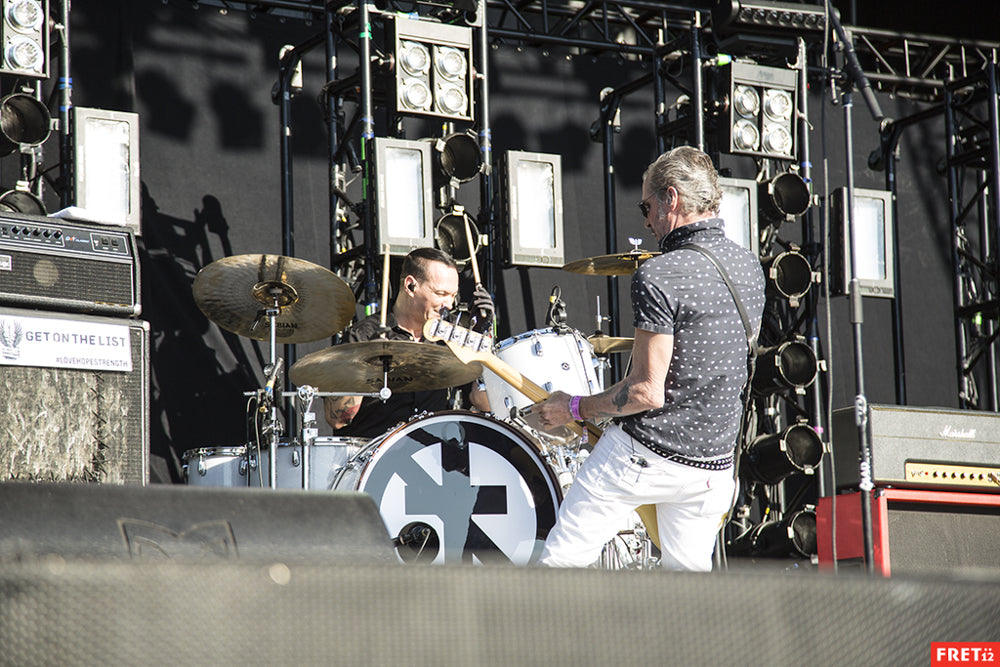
(476, 484)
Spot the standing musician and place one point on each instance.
(677, 413)
(428, 283)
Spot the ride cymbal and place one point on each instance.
(606, 344)
(236, 292)
(359, 367)
(622, 264)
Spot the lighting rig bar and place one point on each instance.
(627, 26)
(917, 64)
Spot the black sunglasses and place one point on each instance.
(644, 208)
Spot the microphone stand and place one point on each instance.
(854, 76)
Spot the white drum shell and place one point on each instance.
(215, 466)
(327, 456)
(552, 360)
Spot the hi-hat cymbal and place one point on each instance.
(607, 344)
(235, 293)
(359, 367)
(622, 264)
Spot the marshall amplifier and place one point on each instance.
(51, 264)
(921, 447)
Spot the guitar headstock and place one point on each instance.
(457, 338)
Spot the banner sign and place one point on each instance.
(51, 343)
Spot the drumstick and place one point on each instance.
(472, 249)
(385, 285)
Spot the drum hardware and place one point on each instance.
(300, 302)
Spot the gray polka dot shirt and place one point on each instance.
(682, 293)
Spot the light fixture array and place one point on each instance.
(433, 72)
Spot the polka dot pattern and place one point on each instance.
(681, 293)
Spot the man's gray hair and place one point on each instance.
(692, 174)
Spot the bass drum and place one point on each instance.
(458, 487)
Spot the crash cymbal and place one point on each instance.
(358, 367)
(622, 264)
(235, 293)
(607, 344)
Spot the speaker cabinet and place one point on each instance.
(914, 531)
(182, 523)
(179, 613)
(72, 410)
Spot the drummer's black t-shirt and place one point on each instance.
(375, 417)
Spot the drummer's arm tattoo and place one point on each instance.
(340, 410)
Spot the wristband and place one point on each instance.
(574, 407)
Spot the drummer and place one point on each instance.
(428, 283)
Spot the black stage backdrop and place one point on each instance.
(201, 81)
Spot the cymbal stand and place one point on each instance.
(272, 428)
(306, 394)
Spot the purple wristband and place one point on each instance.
(574, 407)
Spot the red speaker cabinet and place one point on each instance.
(913, 531)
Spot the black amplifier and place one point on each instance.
(921, 447)
(71, 267)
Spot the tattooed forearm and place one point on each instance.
(620, 399)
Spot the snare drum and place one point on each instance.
(458, 487)
(215, 466)
(551, 359)
(327, 456)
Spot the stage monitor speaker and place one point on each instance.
(180, 613)
(66, 267)
(76, 397)
(914, 531)
(152, 523)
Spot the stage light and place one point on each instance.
(458, 158)
(433, 75)
(21, 201)
(451, 237)
(784, 197)
(24, 121)
(790, 275)
(760, 113)
(739, 211)
(534, 206)
(790, 366)
(873, 228)
(25, 38)
(106, 166)
(794, 535)
(403, 176)
(771, 458)
(767, 17)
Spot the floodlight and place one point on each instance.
(873, 228)
(533, 184)
(405, 207)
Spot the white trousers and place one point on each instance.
(622, 474)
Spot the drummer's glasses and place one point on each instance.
(644, 208)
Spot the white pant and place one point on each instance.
(618, 476)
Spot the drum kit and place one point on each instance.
(452, 487)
